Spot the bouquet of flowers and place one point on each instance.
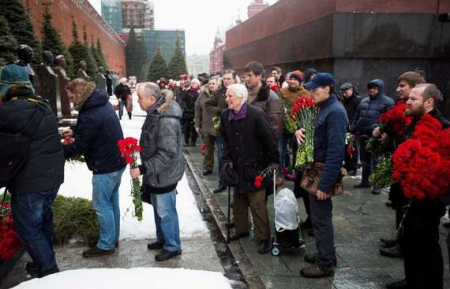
(77, 159)
(129, 150)
(394, 123)
(260, 178)
(9, 243)
(305, 112)
(422, 163)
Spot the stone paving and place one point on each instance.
(360, 219)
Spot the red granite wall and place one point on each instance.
(85, 15)
(286, 14)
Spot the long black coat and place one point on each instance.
(250, 144)
(44, 168)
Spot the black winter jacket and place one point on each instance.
(96, 135)
(250, 144)
(370, 109)
(121, 92)
(188, 104)
(351, 104)
(44, 168)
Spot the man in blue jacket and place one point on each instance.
(96, 135)
(365, 121)
(329, 149)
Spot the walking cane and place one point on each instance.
(228, 215)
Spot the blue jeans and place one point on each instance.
(321, 216)
(105, 200)
(121, 105)
(166, 220)
(33, 220)
(219, 156)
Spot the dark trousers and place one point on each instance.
(189, 132)
(208, 158)
(368, 162)
(322, 215)
(424, 265)
(351, 160)
(33, 220)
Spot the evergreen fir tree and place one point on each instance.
(158, 67)
(100, 54)
(136, 56)
(81, 52)
(177, 64)
(51, 40)
(94, 52)
(21, 26)
(8, 44)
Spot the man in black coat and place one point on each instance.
(249, 147)
(96, 135)
(122, 92)
(351, 100)
(423, 262)
(36, 185)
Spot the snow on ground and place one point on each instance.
(78, 183)
(156, 278)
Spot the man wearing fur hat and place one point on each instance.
(35, 186)
(162, 165)
(123, 93)
(96, 135)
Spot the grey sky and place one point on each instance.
(199, 18)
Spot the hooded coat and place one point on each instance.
(161, 144)
(370, 109)
(97, 132)
(44, 167)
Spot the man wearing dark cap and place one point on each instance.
(351, 99)
(329, 149)
(34, 188)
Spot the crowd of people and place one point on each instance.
(241, 122)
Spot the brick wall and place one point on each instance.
(113, 46)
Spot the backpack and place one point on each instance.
(14, 146)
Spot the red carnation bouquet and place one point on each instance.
(305, 112)
(422, 163)
(9, 243)
(394, 123)
(395, 120)
(130, 150)
(260, 178)
(77, 159)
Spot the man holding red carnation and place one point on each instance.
(162, 165)
(96, 135)
(413, 168)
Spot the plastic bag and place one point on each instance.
(286, 211)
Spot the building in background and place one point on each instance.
(355, 40)
(255, 7)
(112, 14)
(216, 55)
(138, 14)
(164, 39)
(197, 64)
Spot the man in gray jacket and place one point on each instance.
(162, 165)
